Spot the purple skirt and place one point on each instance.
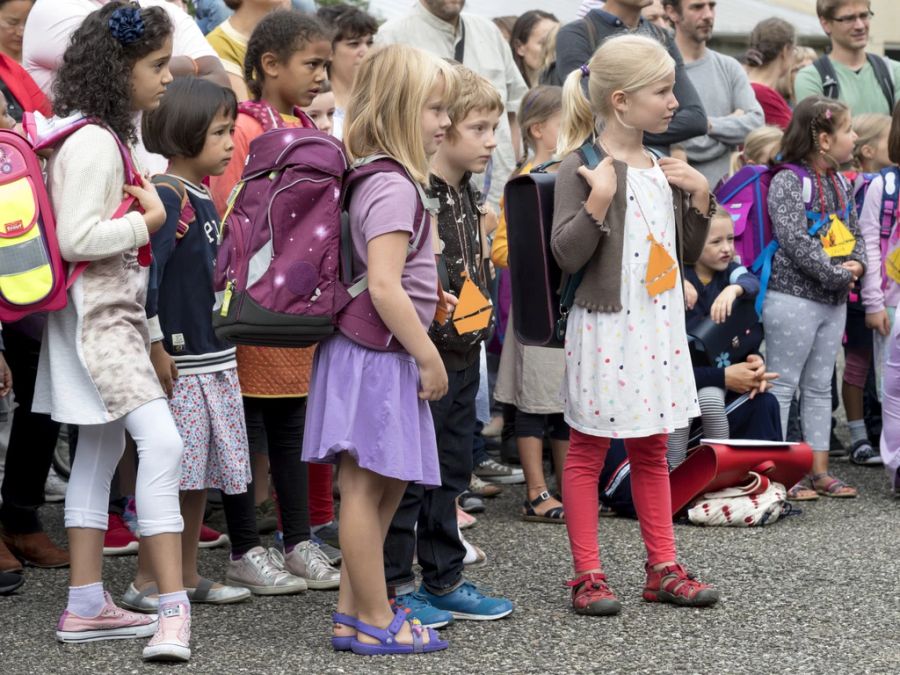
(367, 403)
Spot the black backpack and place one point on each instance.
(825, 68)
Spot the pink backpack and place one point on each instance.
(283, 273)
(33, 275)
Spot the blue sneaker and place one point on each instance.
(417, 607)
(467, 602)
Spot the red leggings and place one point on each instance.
(649, 489)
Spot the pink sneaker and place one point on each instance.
(172, 641)
(113, 623)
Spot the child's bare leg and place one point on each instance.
(193, 503)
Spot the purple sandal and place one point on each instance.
(341, 643)
(387, 638)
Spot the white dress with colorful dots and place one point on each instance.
(629, 374)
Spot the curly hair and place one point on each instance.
(95, 75)
(282, 33)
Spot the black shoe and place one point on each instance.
(10, 581)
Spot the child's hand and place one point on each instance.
(763, 378)
(721, 308)
(165, 368)
(880, 322)
(432, 378)
(683, 175)
(6, 379)
(690, 295)
(448, 303)
(147, 197)
(856, 269)
(601, 179)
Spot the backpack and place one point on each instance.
(542, 294)
(283, 274)
(756, 501)
(34, 276)
(745, 197)
(890, 199)
(830, 89)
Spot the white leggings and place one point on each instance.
(100, 447)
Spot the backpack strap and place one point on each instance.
(186, 214)
(889, 199)
(827, 74)
(425, 207)
(591, 156)
(884, 76)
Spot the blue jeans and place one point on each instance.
(210, 13)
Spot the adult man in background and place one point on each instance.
(731, 107)
(439, 27)
(868, 83)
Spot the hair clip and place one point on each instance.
(126, 25)
(585, 70)
(828, 114)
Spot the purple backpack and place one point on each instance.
(745, 197)
(283, 274)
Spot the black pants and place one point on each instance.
(275, 424)
(31, 441)
(440, 550)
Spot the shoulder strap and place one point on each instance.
(591, 155)
(263, 113)
(884, 76)
(826, 72)
(186, 215)
(592, 32)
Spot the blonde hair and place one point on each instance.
(384, 115)
(625, 63)
(474, 92)
(548, 51)
(538, 105)
(756, 143)
(869, 127)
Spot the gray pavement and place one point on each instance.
(814, 593)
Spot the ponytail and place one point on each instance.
(577, 123)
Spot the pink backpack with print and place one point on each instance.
(33, 275)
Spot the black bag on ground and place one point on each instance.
(724, 344)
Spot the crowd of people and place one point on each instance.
(640, 120)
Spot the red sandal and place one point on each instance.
(592, 596)
(674, 585)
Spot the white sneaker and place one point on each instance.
(309, 562)
(495, 472)
(263, 573)
(55, 487)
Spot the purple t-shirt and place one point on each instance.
(383, 203)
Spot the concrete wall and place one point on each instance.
(886, 27)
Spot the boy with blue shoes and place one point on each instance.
(425, 522)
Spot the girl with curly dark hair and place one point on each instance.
(95, 369)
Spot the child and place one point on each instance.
(529, 378)
(399, 109)
(321, 110)
(712, 286)
(285, 66)
(805, 306)
(880, 296)
(631, 223)
(760, 147)
(870, 155)
(192, 129)
(95, 368)
(230, 37)
(353, 36)
(474, 115)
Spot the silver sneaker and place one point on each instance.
(263, 573)
(309, 562)
(495, 472)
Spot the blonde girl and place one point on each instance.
(760, 147)
(631, 223)
(368, 409)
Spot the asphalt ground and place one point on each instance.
(817, 592)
